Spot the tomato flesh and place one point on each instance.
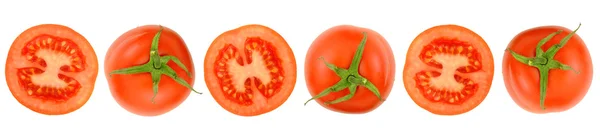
(62, 54)
(444, 85)
(66, 48)
(262, 70)
(250, 70)
(59, 91)
(442, 46)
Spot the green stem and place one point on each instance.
(335, 88)
(154, 57)
(544, 61)
(538, 49)
(358, 55)
(352, 89)
(543, 85)
(554, 49)
(157, 66)
(350, 78)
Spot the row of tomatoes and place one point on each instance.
(251, 70)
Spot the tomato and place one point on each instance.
(449, 70)
(350, 69)
(250, 70)
(547, 69)
(51, 69)
(149, 70)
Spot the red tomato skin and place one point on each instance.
(337, 46)
(134, 91)
(565, 88)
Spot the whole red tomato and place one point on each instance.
(350, 69)
(149, 70)
(547, 69)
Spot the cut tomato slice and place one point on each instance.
(448, 70)
(51, 69)
(250, 70)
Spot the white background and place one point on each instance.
(300, 22)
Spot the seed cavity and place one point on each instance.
(51, 56)
(56, 92)
(448, 47)
(449, 57)
(258, 69)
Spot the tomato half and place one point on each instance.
(250, 70)
(51, 69)
(449, 70)
(368, 70)
(149, 70)
(565, 72)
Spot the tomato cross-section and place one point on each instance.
(237, 76)
(250, 70)
(448, 70)
(51, 69)
(64, 55)
(450, 57)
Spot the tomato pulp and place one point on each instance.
(448, 70)
(149, 70)
(250, 70)
(350, 69)
(51, 69)
(547, 69)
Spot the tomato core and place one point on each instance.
(261, 69)
(452, 58)
(55, 55)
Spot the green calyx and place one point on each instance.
(350, 78)
(544, 61)
(157, 66)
